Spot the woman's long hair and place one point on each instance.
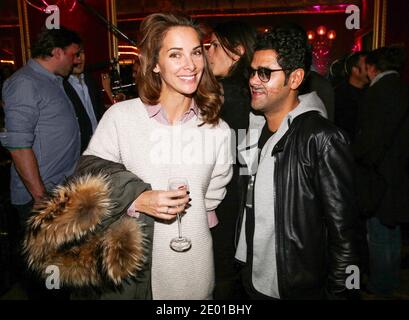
(153, 30)
(231, 35)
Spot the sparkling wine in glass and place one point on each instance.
(179, 243)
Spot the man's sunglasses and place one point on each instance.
(263, 74)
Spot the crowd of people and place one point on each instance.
(292, 180)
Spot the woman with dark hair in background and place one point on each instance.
(230, 53)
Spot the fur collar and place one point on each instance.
(67, 230)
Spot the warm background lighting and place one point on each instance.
(322, 43)
(331, 34)
(311, 35)
(321, 30)
(7, 61)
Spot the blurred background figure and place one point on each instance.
(128, 91)
(8, 216)
(336, 74)
(349, 93)
(86, 98)
(230, 53)
(42, 132)
(314, 81)
(382, 154)
(322, 86)
(5, 72)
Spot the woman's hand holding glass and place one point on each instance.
(161, 204)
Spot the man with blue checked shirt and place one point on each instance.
(42, 132)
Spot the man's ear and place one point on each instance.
(354, 70)
(296, 78)
(57, 52)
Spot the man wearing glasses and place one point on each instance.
(42, 132)
(296, 233)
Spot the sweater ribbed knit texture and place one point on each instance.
(155, 152)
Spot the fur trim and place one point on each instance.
(122, 249)
(63, 232)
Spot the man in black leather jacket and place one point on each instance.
(297, 236)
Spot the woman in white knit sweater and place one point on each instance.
(173, 130)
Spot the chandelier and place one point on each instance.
(321, 41)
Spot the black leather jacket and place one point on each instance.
(315, 211)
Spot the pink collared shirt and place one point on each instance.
(158, 113)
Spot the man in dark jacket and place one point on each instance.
(350, 93)
(381, 150)
(86, 98)
(296, 238)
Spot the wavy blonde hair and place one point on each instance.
(153, 30)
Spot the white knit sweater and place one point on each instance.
(156, 152)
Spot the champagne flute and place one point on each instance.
(179, 243)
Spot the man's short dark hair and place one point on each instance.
(291, 44)
(49, 39)
(387, 58)
(353, 61)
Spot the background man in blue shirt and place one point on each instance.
(42, 131)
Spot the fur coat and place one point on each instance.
(83, 229)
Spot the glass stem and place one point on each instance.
(179, 225)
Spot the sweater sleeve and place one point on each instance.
(222, 171)
(104, 142)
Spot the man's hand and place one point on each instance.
(26, 165)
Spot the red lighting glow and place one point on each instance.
(331, 34)
(61, 4)
(322, 42)
(321, 30)
(310, 35)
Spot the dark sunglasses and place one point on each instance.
(263, 74)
